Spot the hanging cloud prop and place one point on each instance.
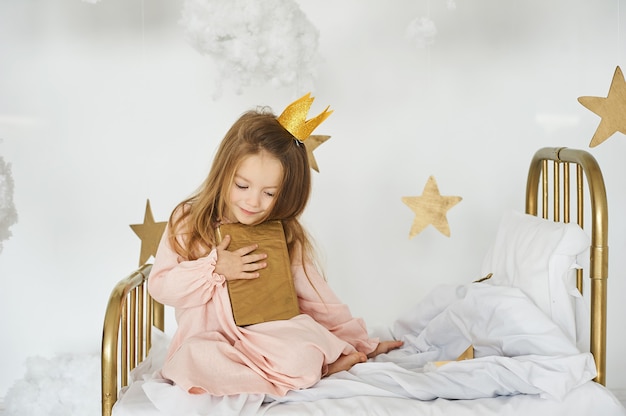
(421, 31)
(8, 214)
(254, 42)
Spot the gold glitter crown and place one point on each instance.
(293, 118)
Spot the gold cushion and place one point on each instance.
(272, 296)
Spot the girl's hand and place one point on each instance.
(238, 264)
(384, 347)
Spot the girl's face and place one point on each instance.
(254, 188)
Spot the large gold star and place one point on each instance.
(150, 233)
(311, 143)
(611, 109)
(430, 208)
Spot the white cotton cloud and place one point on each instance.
(61, 386)
(254, 42)
(421, 31)
(8, 213)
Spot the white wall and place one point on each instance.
(98, 114)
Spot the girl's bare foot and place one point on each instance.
(345, 362)
(197, 390)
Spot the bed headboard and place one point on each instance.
(131, 313)
(556, 181)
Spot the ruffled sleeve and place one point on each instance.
(182, 283)
(317, 299)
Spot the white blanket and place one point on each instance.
(518, 350)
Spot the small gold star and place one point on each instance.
(150, 233)
(611, 109)
(430, 208)
(311, 143)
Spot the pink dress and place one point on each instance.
(208, 351)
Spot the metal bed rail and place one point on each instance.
(556, 179)
(127, 332)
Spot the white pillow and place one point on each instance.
(540, 257)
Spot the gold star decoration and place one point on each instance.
(150, 233)
(430, 208)
(611, 109)
(311, 143)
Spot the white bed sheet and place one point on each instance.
(524, 363)
(589, 399)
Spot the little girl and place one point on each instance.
(260, 172)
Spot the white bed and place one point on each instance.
(539, 345)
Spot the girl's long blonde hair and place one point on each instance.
(193, 221)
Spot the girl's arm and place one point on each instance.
(182, 283)
(317, 299)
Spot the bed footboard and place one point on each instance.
(127, 332)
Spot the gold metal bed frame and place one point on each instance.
(557, 203)
(131, 312)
